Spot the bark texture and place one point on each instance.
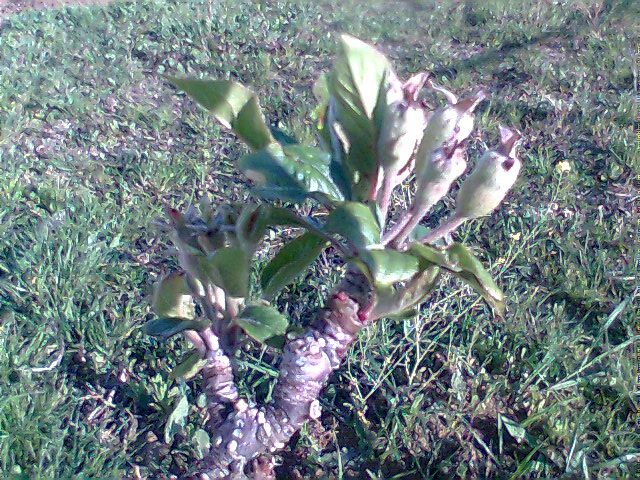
(248, 432)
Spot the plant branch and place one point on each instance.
(405, 171)
(443, 230)
(408, 221)
(417, 213)
(384, 197)
(307, 361)
(196, 340)
(219, 383)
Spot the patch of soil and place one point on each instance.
(7, 7)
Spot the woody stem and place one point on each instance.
(248, 432)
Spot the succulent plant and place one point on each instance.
(376, 132)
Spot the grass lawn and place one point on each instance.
(93, 142)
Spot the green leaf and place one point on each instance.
(291, 261)
(430, 255)
(386, 267)
(516, 430)
(276, 342)
(474, 274)
(340, 178)
(279, 216)
(262, 322)
(254, 218)
(356, 223)
(290, 173)
(251, 227)
(172, 297)
(468, 262)
(358, 75)
(401, 301)
(188, 367)
(254, 221)
(420, 286)
(202, 442)
(312, 167)
(320, 115)
(167, 327)
(460, 262)
(233, 105)
(177, 419)
(228, 268)
(282, 137)
(357, 86)
(417, 233)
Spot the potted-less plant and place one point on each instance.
(375, 133)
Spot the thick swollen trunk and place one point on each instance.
(248, 431)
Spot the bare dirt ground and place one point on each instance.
(7, 7)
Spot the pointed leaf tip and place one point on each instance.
(167, 327)
(235, 106)
(475, 275)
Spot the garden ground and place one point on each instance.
(93, 142)
(13, 6)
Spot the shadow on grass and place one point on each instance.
(611, 11)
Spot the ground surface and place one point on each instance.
(92, 142)
(8, 7)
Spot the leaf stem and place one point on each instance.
(406, 223)
(196, 341)
(308, 224)
(444, 229)
(384, 198)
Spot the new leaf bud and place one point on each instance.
(493, 177)
(448, 126)
(403, 124)
(442, 169)
(251, 226)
